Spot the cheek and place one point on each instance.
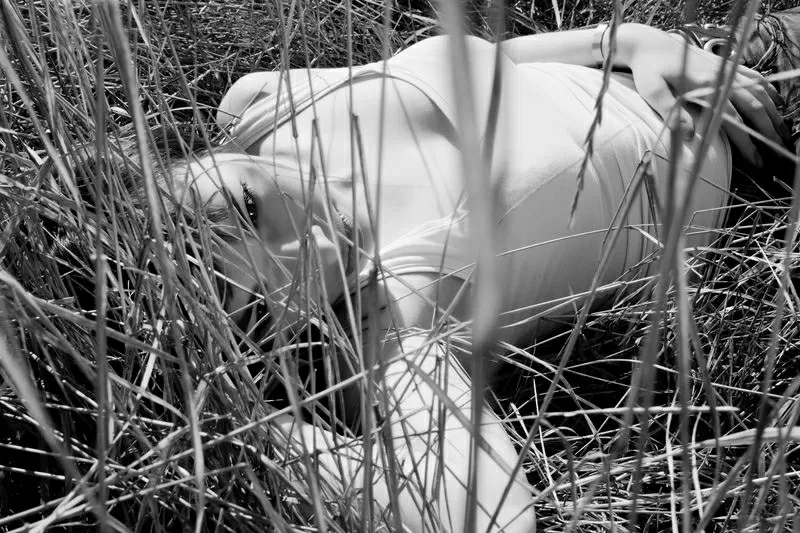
(239, 279)
(240, 283)
(334, 286)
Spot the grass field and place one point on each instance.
(135, 404)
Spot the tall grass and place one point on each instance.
(129, 400)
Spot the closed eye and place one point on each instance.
(250, 206)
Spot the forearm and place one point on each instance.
(421, 454)
(444, 462)
(429, 398)
(575, 46)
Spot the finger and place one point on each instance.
(773, 108)
(774, 95)
(739, 138)
(759, 111)
(658, 95)
(757, 102)
(754, 76)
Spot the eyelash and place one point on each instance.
(250, 204)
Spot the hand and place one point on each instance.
(656, 60)
(338, 459)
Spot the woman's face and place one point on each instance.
(293, 239)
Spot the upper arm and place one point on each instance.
(429, 395)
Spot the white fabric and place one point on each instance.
(546, 111)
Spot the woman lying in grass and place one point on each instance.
(343, 191)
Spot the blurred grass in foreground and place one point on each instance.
(135, 402)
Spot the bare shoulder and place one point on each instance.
(255, 86)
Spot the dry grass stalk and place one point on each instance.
(128, 398)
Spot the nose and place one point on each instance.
(320, 266)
